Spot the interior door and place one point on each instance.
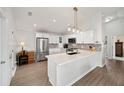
(4, 63)
(0, 54)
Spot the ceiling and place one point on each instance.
(43, 17)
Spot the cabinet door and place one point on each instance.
(79, 37)
(57, 39)
(119, 49)
(66, 38)
(63, 39)
(88, 37)
(51, 39)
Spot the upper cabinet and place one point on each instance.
(88, 37)
(52, 37)
(83, 37)
(79, 37)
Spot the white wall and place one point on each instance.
(121, 38)
(28, 37)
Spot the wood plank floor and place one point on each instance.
(31, 75)
(36, 75)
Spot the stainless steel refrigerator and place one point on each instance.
(42, 48)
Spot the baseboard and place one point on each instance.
(51, 82)
(101, 66)
(13, 73)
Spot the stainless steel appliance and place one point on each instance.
(72, 40)
(71, 51)
(42, 48)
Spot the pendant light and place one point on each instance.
(75, 27)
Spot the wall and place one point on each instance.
(121, 38)
(28, 37)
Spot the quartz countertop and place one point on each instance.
(63, 58)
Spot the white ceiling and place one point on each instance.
(44, 16)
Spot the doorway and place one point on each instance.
(119, 38)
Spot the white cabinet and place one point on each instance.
(53, 39)
(50, 39)
(79, 37)
(82, 37)
(63, 39)
(56, 50)
(56, 39)
(88, 37)
(66, 38)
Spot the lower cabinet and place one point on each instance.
(31, 57)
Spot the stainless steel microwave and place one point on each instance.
(72, 40)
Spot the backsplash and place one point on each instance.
(86, 46)
(79, 46)
(53, 45)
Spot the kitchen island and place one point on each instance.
(64, 69)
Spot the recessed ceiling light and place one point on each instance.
(35, 25)
(54, 20)
(29, 13)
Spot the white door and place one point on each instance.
(4, 64)
(0, 54)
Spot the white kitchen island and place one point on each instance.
(64, 69)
